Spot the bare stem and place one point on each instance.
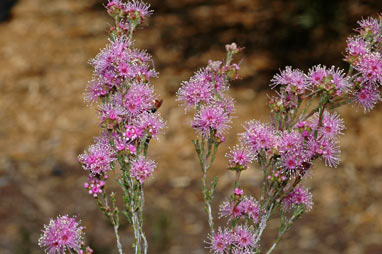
(207, 201)
(119, 245)
(137, 234)
(263, 222)
(282, 232)
(206, 159)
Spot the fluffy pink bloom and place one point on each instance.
(132, 132)
(149, 123)
(118, 4)
(258, 136)
(327, 149)
(220, 241)
(240, 156)
(94, 90)
(367, 97)
(244, 237)
(328, 79)
(139, 7)
(98, 158)
(250, 208)
(297, 197)
(294, 80)
(62, 235)
(370, 65)
(317, 74)
(368, 26)
(290, 161)
(290, 142)
(230, 209)
(196, 91)
(142, 168)
(339, 81)
(107, 63)
(140, 56)
(332, 125)
(330, 152)
(138, 99)
(111, 114)
(293, 150)
(247, 207)
(227, 103)
(356, 46)
(211, 118)
(123, 142)
(118, 63)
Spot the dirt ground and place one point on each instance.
(44, 50)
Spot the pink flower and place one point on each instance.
(370, 65)
(139, 98)
(338, 80)
(221, 240)
(298, 196)
(238, 191)
(197, 90)
(240, 157)
(211, 119)
(132, 132)
(142, 168)
(290, 142)
(317, 74)
(367, 97)
(294, 80)
(330, 152)
(369, 26)
(356, 46)
(248, 207)
(244, 237)
(94, 90)
(95, 185)
(332, 125)
(111, 114)
(62, 235)
(258, 136)
(149, 123)
(328, 79)
(98, 158)
(290, 161)
(139, 7)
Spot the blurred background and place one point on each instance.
(44, 49)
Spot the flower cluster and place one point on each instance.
(363, 53)
(62, 235)
(299, 134)
(285, 149)
(247, 207)
(206, 92)
(99, 157)
(299, 196)
(127, 108)
(128, 112)
(237, 238)
(332, 80)
(240, 157)
(258, 137)
(129, 14)
(141, 168)
(295, 81)
(240, 240)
